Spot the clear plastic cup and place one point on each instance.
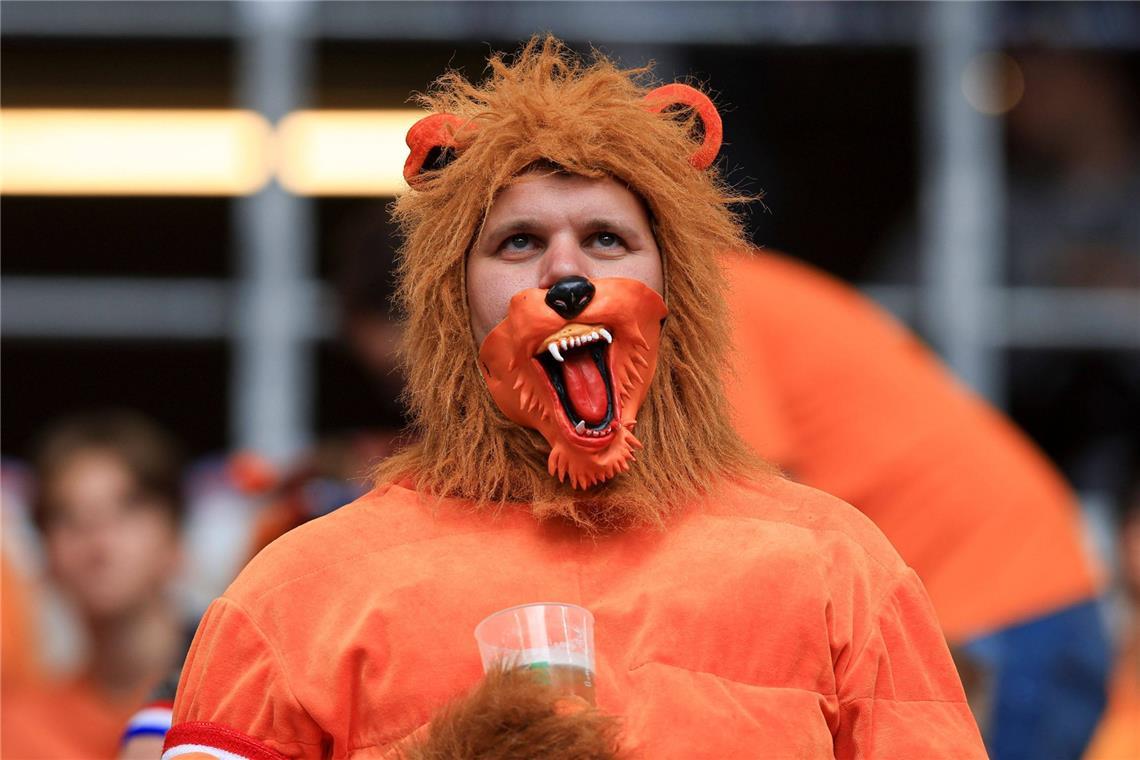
(554, 640)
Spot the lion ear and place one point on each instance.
(667, 96)
(432, 143)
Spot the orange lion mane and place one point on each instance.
(545, 107)
(511, 715)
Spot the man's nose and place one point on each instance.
(563, 258)
(570, 295)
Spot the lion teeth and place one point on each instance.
(581, 429)
(558, 345)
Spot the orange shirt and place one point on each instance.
(70, 720)
(771, 620)
(832, 389)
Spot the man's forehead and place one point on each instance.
(540, 197)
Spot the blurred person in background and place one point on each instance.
(833, 389)
(109, 506)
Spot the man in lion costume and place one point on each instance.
(566, 335)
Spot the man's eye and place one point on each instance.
(607, 240)
(520, 242)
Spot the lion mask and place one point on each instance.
(580, 380)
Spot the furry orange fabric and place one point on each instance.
(589, 118)
(512, 716)
(442, 132)
(628, 316)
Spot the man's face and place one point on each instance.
(546, 226)
(111, 547)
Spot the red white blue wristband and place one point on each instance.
(152, 720)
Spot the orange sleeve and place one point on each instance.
(234, 696)
(899, 694)
(869, 414)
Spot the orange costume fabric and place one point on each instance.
(771, 620)
(837, 393)
(71, 720)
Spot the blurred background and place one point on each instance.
(194, 227)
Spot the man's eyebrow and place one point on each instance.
(605, 223)
(518, 224)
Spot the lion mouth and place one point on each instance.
(576, 362)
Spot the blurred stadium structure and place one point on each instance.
(299, 102)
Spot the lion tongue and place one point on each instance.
(585, 386)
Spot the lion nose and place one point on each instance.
(569, 296)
